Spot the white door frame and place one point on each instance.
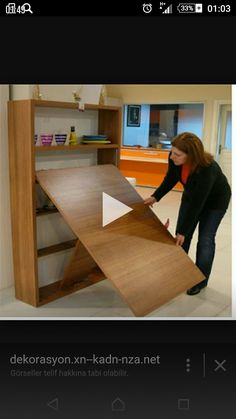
(215, 122)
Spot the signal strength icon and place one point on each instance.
(168, 10)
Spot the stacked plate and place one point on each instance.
(95, 139)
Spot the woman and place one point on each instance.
(205, 199)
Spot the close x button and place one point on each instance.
(220, 365)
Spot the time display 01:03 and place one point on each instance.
(218, 8)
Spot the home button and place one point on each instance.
(118, 405)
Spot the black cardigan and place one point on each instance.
(205, 188)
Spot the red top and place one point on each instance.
(185, 173)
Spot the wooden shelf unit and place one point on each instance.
(23, 154)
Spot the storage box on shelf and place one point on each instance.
(31, 241)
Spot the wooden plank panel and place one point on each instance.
(135, 252)
(23, 204)
(70, 105)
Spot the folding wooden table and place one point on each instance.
(135, 252)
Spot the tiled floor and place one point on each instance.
(102, 301)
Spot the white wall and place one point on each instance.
(6, 264)
(21, 91)
(89, 93)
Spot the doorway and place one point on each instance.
(224, 140)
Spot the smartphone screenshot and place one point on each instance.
(117, 284)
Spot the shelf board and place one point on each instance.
(43, 211)
(72, 105)
(54, 291)
(56, 248)
(74, 147)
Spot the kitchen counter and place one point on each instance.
(147, 165)
(144, 154)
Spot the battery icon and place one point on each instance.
(189, 8)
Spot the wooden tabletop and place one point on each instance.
(135, 252)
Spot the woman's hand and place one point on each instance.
(167, 223)
(179, 239)
(150, 201)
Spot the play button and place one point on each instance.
(112, 209)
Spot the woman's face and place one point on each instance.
(178, 157)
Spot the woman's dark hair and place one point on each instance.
(190, 144)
